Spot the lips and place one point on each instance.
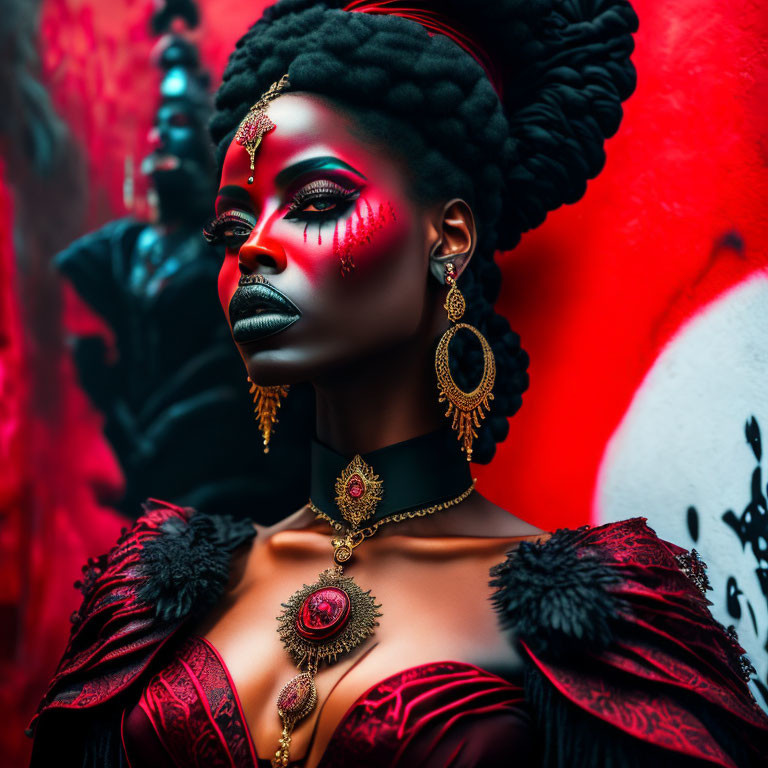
(258, 310)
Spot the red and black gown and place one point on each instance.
(623, 666)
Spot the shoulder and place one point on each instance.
(96, 263)
(618, 639)
(185, 567)
(92, 243)
(169, 567)
(173, 562)
(567, 586)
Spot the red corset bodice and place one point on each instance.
(446, 714)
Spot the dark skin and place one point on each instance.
(365, 342)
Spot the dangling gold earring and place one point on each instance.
(466, 409)
(266, 401)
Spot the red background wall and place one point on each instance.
(677, 217)
(598, 289)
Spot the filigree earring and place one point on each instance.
(266, 401)
(465, 409)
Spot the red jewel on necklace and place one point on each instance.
(297, 698)
(323, 614)
(355, 486)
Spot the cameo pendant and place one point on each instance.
(319, 622)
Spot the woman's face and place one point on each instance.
(320, 197)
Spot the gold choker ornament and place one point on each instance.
(256, 123)
(333, 616)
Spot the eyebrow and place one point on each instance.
(237, 194)
(234, 194)
(327, 162)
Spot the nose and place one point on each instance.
(261, 254)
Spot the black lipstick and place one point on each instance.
(257, 310)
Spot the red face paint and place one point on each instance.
(360, 230)
(321, 198)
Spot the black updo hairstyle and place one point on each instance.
(565, 68)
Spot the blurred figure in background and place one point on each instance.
(172, 390)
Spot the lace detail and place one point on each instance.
(194, 712)
(695, 569)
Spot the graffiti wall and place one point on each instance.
(690, 456)
(645, 308)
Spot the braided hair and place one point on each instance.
(565, 70)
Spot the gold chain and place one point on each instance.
(358, 536)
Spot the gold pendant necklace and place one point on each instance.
(333, 616)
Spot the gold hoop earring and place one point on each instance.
(465, 409)
(266, 401)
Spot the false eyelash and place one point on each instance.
(322, 189)
(215, 230)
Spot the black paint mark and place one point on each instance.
(732, 593)
(732, 240)
(753, 437)
(693, 523)
(752, 529)
(752, 526)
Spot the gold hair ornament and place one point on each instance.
(255, 124)
(465, 409)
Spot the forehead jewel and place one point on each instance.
(255, 124)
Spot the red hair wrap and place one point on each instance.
(436, 24)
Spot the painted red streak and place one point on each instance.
(359, 231)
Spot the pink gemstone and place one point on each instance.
(355, 487)
(323, 614)
(295, 695)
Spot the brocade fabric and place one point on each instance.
(441, 715)
(624, 667)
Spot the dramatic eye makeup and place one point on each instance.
(322, 198)
(317, 189)
(230, 228)
(327, 195)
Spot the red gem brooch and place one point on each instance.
(358, 491)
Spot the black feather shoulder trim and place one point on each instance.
(552, 594)
(624, 664)
(184, 570)
(170, 567)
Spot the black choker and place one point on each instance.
(416, 473)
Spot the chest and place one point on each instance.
(435, 607)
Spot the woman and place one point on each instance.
(374, 155)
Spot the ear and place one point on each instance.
(456, 238)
